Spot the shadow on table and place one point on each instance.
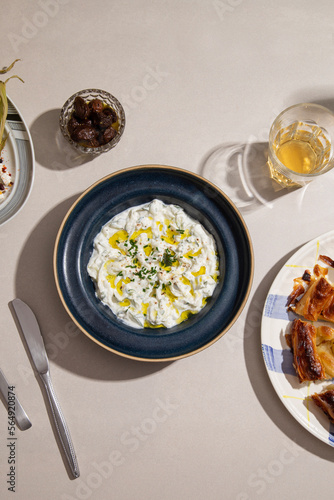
(326, 102)
(242, 173)
(65, 344)
(259, 378)
(51, 149)
(308, 95)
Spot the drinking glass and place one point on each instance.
(301, 142)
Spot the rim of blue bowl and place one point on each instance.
(233, 306)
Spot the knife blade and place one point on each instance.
(35, 344)
(21, 418)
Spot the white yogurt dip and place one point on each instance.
(153, 265)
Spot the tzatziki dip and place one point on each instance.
(153, 265)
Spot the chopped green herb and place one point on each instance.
(167, 258)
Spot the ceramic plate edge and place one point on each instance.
(27, 195)
(317, 429)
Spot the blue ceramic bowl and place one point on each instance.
(134, 186)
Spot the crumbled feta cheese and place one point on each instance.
(5, 178)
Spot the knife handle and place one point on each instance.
(62, 429)
(21, 417)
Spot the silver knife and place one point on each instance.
(21, 418)
(34, 340)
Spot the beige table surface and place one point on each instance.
(194, 77)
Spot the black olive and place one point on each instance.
(81, 109)
(108, 134)
(96, 105)
(84, 133)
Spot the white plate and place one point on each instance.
(276, 353)
(18, 157)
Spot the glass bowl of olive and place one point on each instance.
(92, 121)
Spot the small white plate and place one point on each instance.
(277, 354)
(19, 159)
